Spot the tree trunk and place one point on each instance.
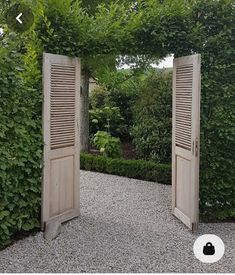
(84, 121)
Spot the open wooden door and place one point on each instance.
(185, 139)
(61, 85)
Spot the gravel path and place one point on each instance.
(125, 226)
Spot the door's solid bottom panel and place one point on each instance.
(62, 185)
(182, 217)
(183, 185)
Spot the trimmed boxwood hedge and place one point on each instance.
(138, 169)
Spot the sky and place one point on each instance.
(166, 63)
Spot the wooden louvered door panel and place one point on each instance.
(61, 82)
(185, 139)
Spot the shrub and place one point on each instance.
(152, 118)
(20, 147)
(211, 35)
(124, 98)
(98, 97)
(109, 146)
(105, 119)
(122, 86)
(138, 169)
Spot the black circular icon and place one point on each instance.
(19, 17)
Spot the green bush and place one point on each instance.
(111, 107)
(211, 35)
(124, 97)
(138, 169)
(109, 146)
(152, 118)
(98, 98)
(122, 87)
(20, 146)
(105, 119)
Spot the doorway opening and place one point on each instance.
(61, 124)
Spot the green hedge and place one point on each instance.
(152, 129)
(211, 35)
(138, 169)
(20, 146)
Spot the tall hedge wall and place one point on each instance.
(152, 128)
(211, 36)
(20, 146)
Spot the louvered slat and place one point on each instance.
(63, 89)
(183, 126)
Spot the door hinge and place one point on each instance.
(196, 147)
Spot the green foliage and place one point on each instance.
(64, 27)
(98, 97)
(152, 118)
(138, 169)
(27, 14)
(124, 99)
(163, 25)
(20, 146)
(114, 102)
(4, 6)
(211, 34)
(153, 30)
(109, 146)
(123, 87)
(91, 5)
(56, 27)
(106, 119)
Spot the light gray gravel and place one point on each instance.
(125, 226)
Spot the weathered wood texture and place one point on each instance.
(185, 139)
(61, 119)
